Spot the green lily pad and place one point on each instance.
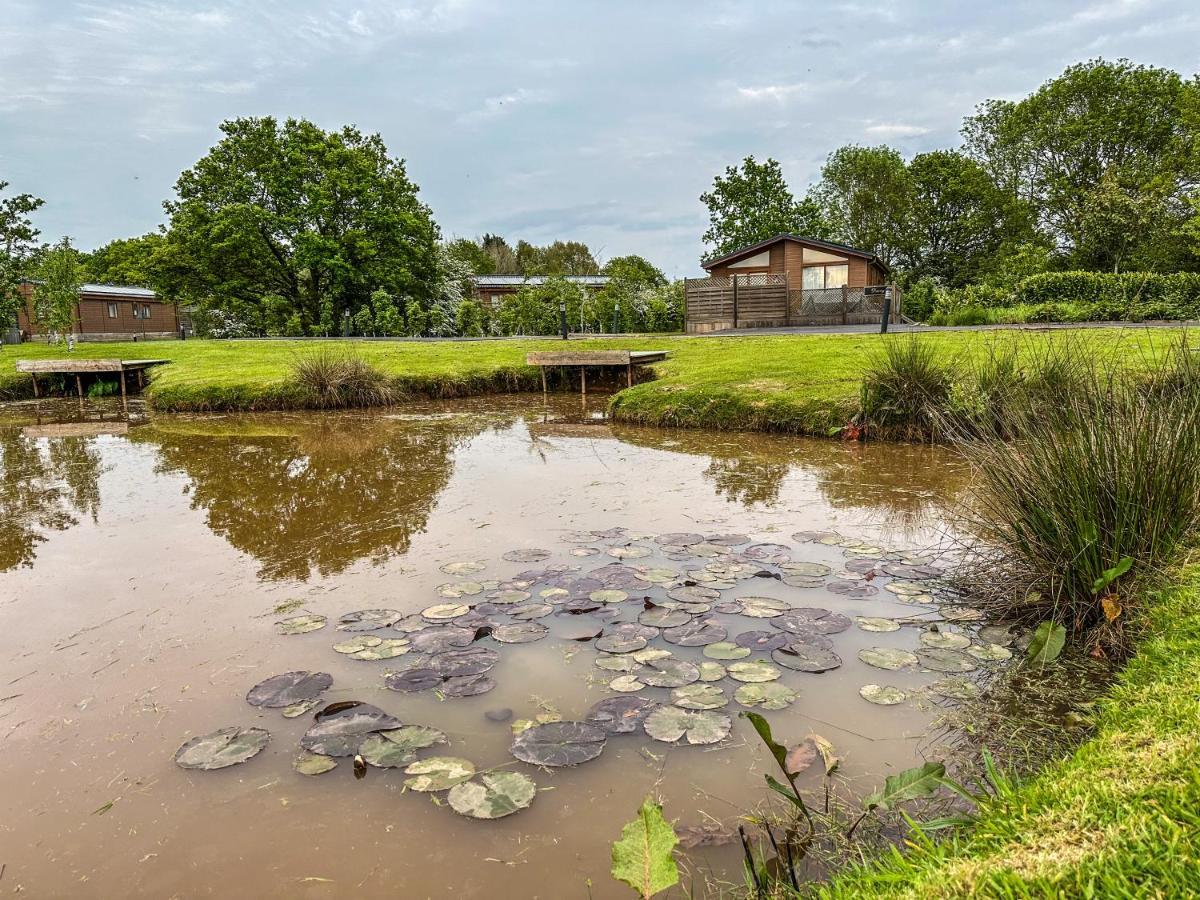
(670, 724)
(648, 654)
(283, 690)
(726, 650)
(626, 684)
(438, 773)
(763, 607)
(368, 619)
(658, 575)
(456, 589)
(443, 612)
(887, 658)
(769, 696)
(710, 671)
(313, 764)
(298, 709)
(527, 612)
(508, 596)
(526, 556)
(625, 638)
(620, 715)
(874, 623)
(902, 588)
(608, 596)
(340, 728)
(520, 633)
(882, 694)
(630, 551)
(669, 673)
(465, 567)
(997, 634)
(611, 663)
(559, 744)
(989, 652)
(221, 748)
(661, 617)
(399, 746)
(494, 796)
(946, 661)
(955, 689)
(753, 671)
(945, 640)
(699, 696)
(300, 624)
(961, 614)
(803, 656)
(696, 633)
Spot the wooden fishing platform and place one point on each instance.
(81, 367)
(582, 359)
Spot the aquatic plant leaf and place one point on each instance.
(300, 624)
(901, 588)
(643, 857)
(368, 619)
(727, 540)
(313, 764)
(221, 748)
(418, 678)
(769, 696)
(762, 640)
(855, 590)
(559, 744)
(961, 614)
(911, 784)
(508, 596)
(829, 758)
(912, 572)
(629, 551)
(711, 671)
(612, 663)
(679, 538)
(463, 567)
(997, 634)
(694, 593)
(945, 640)
(438, 638)
(806, 656)
(763, 607)
(657, 574)
(494, 796)
(438, 773)
(298, 709)
(669, 673)
(527, 612)
(699, 696)
(620, 715)
(955, 689)
(456, 589)
(466, 661)
(806, 569)
(670, 724)
(283, 690)
(626, 637)
(946, 661)
(661, 617)
(649, 653)
(445, 611)
(398, 747)
(989, 652)
(466, 685)
(887, 657)
(531, 555)
(769, 553)
(696, 633)
(607, 595)
(627, 684)
(340, 728)
(753, 671)
(388, 648)
(800, 757)
(520, 633)
(726, 650)
(1049, 638)
(882, 694)
(873, 623)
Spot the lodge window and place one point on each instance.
(112, 310)
(819, 277)
(495, 299)
(145, 310)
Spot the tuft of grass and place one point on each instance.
(328, 378)
(905, 386)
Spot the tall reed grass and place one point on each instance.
(340, 379)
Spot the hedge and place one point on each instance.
(1128, 296)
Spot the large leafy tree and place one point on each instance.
(136, 260)
(751, 203)
(1106, 150)
(287, 210)
(18, 246)
(865, 194)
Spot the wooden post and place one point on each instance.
(79, 386)
(141, 378)
(787, 301)
(124, 402)
(735, 310)
(36, 395)
(583, 379)
(545, 389)
(629, 376)
(845, 303)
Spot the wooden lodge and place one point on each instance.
(789, 280)
(107, 312)
(491, 290)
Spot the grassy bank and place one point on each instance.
(1118, 818)
(799, 384)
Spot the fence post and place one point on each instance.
(787, 301)
(735, 310)
(845, 303)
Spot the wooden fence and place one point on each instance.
(767, 301)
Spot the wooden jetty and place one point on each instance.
(582, 359)
(81, 367)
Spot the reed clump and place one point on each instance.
(340, 379)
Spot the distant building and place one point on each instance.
(109, 312)
(492, 289)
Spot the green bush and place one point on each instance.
(904, 388)
(1129, 296)
(337, 379)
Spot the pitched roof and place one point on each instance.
(815, 242)
(119, 290)
(484, 281)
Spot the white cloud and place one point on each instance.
(895, 130)
(777, 93)
(504, 104)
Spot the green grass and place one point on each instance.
(1118, 818)
(800, 384)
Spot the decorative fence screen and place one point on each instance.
(766, 300)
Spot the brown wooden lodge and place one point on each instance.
(492, 289)
(789, 280)
(108, 312)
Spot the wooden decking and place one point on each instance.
(80, 367)
(582, 359)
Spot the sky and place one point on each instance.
(596, 121)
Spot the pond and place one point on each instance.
(502, 562)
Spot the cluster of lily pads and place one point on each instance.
(671, 626)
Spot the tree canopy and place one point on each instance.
(751, 203)
(18, 246)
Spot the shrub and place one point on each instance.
(1130, 296)
(905, 386)
(337, 379)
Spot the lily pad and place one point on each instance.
(368, 619)
(295, 710)
(762, 640)
(658, 575)
(699, 696)
(961, 613)
(955, 689)
(882, 694)
(912, 572)
(891, 658)
(694, 593)
(726, 650)
(463, 567)
(872, 623)
(670, 673)
(291, 687)
(608, 596)
(627, 684)
(626, 637)
(770, 553)
(855, 590)
(679, 538)
(753, 671)
(696, 633)
(442, 637)
(466, 685)
(806, 569)
(670, 724)
(531, 555)
(661, 617)
(620, 715)
(559, 744)
(313, 764)
(508, 596)
(769, 696)
(944, 640)
(989, 652)
(527, 612)
(494, 796)
(398, 747)
(727, 540)
(763, 607)
(710, 671)
(438, 773)
(300, 624)
(221, 748)
(340, 728)
(388, 648)
(905, 587)
(418, 678)
(946, 661)
(803, 656)
(997, 634)
(520, 633)
(629, 551)
(445, 611)
(456, 589)
(467, 661)
(620, 663)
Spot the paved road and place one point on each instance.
(921, 329)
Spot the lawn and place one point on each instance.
(803, 384)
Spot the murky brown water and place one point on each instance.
(140, 571)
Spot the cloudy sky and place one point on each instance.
(596, 120)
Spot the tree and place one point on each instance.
(18, 246)
(319, 218)
(752, 203)
(469, 320)
(56, 295)
(388, 321)
(1100, 148)
(865, 193)
(136, 260)
(473, 254)
(634, 271)
(503, 257)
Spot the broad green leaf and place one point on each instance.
(643, 857)
(911, 784)
(1048, 641)
(1108, 576)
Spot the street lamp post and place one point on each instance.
(346, 323)
(562, 318)
(616, 317)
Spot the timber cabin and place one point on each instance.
(789, 280)
(491, 290)
(108, 312)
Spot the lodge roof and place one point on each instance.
(112, 290)
(799, 238)
(485, 281)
